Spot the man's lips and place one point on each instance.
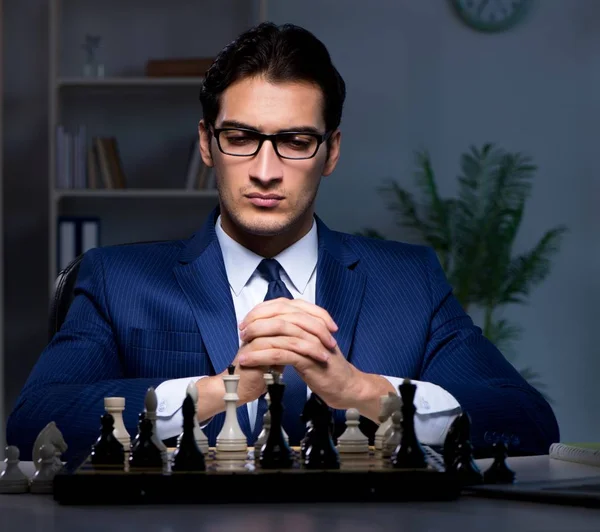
(264, 200)
(264, 196)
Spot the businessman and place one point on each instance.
(266, 284)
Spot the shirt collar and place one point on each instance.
(298, 261)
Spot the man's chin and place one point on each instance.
(264, 224)
(265, 229)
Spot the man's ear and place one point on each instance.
(333, 152)
(205, 136)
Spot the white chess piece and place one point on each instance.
(150, 405)
(393, 440)
(389, 404)
(353, 440)
(269, 380)
(50, 434)
(43, 479)
(264, 433)
(199, 435)
(115, 407)
(12, 479)
(231, 439)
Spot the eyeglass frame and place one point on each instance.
(262, 137)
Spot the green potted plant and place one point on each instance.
(474, 234)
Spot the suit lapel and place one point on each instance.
(340, 287)
(203, 280)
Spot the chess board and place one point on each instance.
(361, 478)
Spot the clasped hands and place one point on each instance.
(282, 332)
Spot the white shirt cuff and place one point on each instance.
(435, 408)
(170, 396)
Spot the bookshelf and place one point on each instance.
(2, 381)
(153, 119)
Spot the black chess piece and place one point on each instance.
(310, 407)
(458, 452)
(465, 467)
(188, 456)
(276, 453)
(461, 424)
(409, 454)
(144, 453)
(320, 451)
(107, 451)
(499, 472)
(231, 369)
(305, 442)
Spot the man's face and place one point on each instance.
(264, 194)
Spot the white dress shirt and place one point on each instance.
(435, 407)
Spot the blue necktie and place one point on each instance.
(294, 397)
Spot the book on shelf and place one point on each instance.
(104, 164)
(581, 453)
(71, 157)
(97, 163)
(75, 235)
(81, 164)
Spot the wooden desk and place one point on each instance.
(41, 513)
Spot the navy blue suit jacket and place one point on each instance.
(151, 312)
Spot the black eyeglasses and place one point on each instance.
(241, 142)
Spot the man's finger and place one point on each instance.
(305, 348)
(272, 357)
(297, 324)
(273, 307)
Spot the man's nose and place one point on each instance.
(266, 165)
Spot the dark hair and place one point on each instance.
(280, 53)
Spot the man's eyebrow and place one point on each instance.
(242, 125)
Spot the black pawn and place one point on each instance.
(499, 472)
(458, 452)
(107, 451)
(144, 453)
(409, 454)
(188, 456)
(465, 467)
(276, 453)
(320, 451)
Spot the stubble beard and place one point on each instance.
(265, 225)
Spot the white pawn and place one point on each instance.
(393, 440)
(12, 479)
(115, 407)
(353, 440)
(200, 437)
(151, 404)
(264, 433)
(43, 479)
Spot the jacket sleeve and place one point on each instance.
(78, 368)
(499, 401)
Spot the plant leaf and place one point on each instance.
(530, 268)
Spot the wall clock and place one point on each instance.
(491, 15)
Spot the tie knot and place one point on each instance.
(269, 269)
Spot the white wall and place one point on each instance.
(418, 77)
